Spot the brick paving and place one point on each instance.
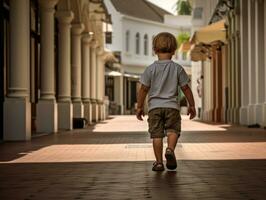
(112, 160)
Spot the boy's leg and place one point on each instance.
(158, 149)
(172, 139)
(173, 128)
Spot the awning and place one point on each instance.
(131, 75)
(211, 33)
(109, 72)
(198, 52)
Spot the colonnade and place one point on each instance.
(80, 74)
(253, 65)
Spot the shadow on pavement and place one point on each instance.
(223, 179)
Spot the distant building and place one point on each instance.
(135, 23)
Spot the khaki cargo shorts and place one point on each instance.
(164, 120)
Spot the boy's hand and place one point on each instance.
(191, 111)
(140, 113)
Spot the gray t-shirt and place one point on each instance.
(163, 78)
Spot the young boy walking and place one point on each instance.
(160, 81)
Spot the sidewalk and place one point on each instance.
(113, 161)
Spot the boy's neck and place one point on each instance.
(164, 56)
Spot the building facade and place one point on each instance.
(135, 24)
(233, 63)
(52, 65)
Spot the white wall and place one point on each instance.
(183, 22)
(196, 73)
(116, 26)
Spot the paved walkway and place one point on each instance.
(113, 159)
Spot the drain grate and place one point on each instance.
(137, 146)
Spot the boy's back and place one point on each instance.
(163, 78)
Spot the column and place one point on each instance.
(251, 64)
(237, 69)
(100, 83)
(264, 110)
(86, 77)
(17, 108)
(214, 83)
(65, 107)
(244, 62)
(78, 109)
(47, 107)
(118, 90)
(224, 82)
(260, 37)
(219, 75)
(93, 76)
(233, 67)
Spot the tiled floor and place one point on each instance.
(113, 159)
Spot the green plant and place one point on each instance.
(182, 37)
(183, 7)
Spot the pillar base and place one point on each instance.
(236, 115)
(17, 119)
(223, 115)
(47, 116)
(94, 112)
(88, 112)
(65, 115)
(243, 118)
(264, 115)
(218, 115)
(78, 110)
(259, 113)
(251, 114)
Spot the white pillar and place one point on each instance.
(251, 69)
(78, 109)
(259, 77)
(86, 78)
(47, 106)
(17, 108)
(65, 107)
(100, 83)
(94, 81)
(264, 113)
(244, 62)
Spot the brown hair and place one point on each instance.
(164, 43)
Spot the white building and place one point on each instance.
(135, 23)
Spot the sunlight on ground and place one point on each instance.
(128, 151)
(129, 123)
(143, 152)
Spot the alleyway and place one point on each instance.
(113, 161)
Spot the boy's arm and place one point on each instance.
(188, 93)
(140, 101)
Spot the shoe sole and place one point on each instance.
(170, 161)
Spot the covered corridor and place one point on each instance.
(113, 159)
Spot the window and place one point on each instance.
(127, 40)
(153, 54)
(137, 43)
(197, 13)
(146, 45)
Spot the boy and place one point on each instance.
(160, 81)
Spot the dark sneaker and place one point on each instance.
(157, 167)
(170, 159)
